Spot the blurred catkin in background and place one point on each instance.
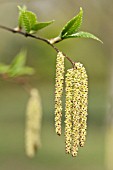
(33, 123)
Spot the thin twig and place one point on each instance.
(35, 37)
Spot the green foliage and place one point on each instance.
(70, 30)
(72, 26)
(82, 34)
(17, 64)
(17, 67)
(19, 60)
(28, 20)
(40, 25)
(20, 16)
(25, 71)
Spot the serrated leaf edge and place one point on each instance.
(64, 32)
(88, 35)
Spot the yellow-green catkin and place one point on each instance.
(80, 103)
(59, 91)
(76, 109)
(68, 109)
(83, 105)
(33, 123)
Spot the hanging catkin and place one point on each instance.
(68, 110)
(76, 108)
(83, 105)
(59, 91)
(33, 123)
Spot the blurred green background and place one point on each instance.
(13, 98)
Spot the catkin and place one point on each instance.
(59, 91)
(76, 108)
(68, 110)
(83, 106)
(33, 123)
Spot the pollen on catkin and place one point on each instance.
(83, 105)
(33, 123)
(76, 108)
(59, 91)
(80, 103)
(68, 109)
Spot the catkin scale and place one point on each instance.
(59, 91)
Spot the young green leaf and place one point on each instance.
(40, 25)
(22, 72)
(82, 34)
(73, 25)
(28, 20)
(32, 18)
(17, 67)
(25, 22)
(26, 71)
(19, 60)
(20, 25)
(17, 64)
